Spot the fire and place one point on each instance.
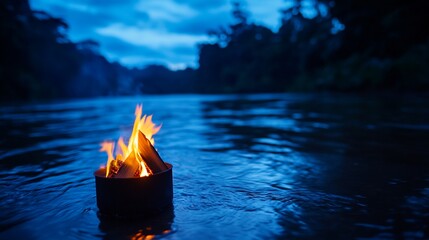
(128, 157)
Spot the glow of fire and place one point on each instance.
(130, 152)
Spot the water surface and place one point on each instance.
(245, 167)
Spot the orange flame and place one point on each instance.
(130, 152)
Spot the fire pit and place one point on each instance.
(136, 182)
(128, 197)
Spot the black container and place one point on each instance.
(134, 197)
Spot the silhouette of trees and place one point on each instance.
(157, 79)
(384, 44)
(322, 45)
(38, 61)
(236, 62)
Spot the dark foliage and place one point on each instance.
(38, 61)
(344, 46)
(157, 79)
(354, 45)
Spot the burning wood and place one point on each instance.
(139, 158)
(147, 151)
(135, 182)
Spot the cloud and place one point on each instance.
(81, 23)
(153, 38)
(118, 47)
(203, 5)
(202, 23)
(177, 57)
(181, 62)
(83, 20)
(137, 32)
(166, 10)
(266, 12)
(136, 46)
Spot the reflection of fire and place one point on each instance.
(141, 236)
(139, 158)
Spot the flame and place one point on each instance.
(130, 152)
(140, 235)
(108, 148)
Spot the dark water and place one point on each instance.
(245, 167)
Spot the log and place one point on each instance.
(130, 168)
(150, 155)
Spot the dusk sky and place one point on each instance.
(140, 32)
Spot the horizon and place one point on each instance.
(154, 33)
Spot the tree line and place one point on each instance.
(354, 45)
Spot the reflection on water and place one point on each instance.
(138, 229)
(247, 166)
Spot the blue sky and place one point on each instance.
(140, 32)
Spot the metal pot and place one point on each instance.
(134, 197)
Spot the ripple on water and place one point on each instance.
(245, 167)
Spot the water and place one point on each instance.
(245, 167)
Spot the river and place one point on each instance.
(293, 166)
